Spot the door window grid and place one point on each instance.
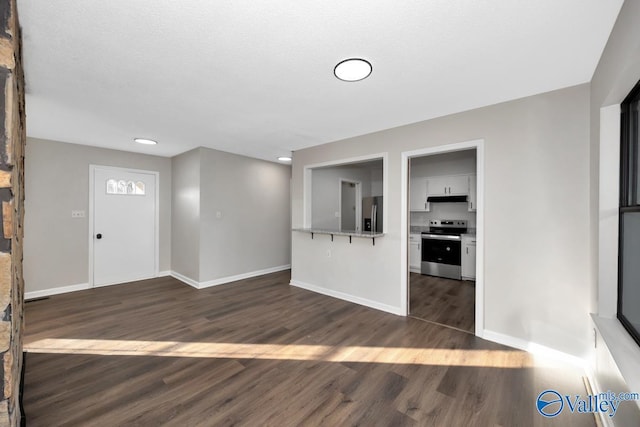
(128, 188)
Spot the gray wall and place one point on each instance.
(253, 198)
(252, 195)
(458, 163)
(376, 182)
(537, 172)
(57, 182)
(617, 73)
(185, 214)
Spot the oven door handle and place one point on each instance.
(440, 237)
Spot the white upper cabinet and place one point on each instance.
(438, 185)
(472, 193)
(418, 195)
(448, 185)
(451, 185)
(458, 185)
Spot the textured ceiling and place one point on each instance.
(256, 77)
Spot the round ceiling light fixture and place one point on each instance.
(145, 141)
(353, 69)
(284, 159)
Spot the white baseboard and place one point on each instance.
(534, 348)
(55, 291)
(228, 279)
(73, 288)
(605, 420)
(83, 286)
(347, 297)
(242, 276)
(185, 279)
(120, 282)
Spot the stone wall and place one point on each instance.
(12, 142)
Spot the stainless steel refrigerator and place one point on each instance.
(372, 214)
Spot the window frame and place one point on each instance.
(629, 200)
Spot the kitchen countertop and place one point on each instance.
(366, 234)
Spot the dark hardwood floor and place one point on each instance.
(259, 352)
(445, 301)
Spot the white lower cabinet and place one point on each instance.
(415, 257)
(468, 258)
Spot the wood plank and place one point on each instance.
(444, 301)
(278, 355)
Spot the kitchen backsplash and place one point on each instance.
(444, 211)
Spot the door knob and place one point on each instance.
(98, 236)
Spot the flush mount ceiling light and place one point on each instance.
(145, 141)
(284, 159)
(353, 69)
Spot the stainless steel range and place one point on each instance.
(441, 248)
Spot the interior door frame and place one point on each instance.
(358, 197)
(478, 145)
(115, 169)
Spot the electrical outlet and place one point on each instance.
(328, 253)
(218, 215)
(77, 214)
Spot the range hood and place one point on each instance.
(447, 199)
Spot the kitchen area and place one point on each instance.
(442, 239)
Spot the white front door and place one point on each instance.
(124, 232)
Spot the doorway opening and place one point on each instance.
(350, 205)
(442, 213)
